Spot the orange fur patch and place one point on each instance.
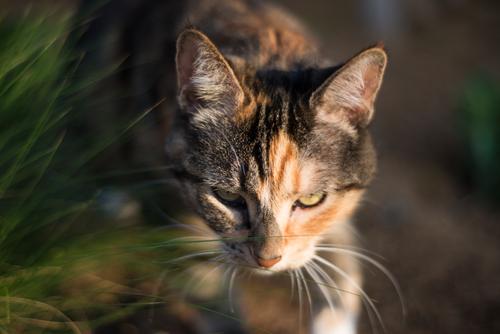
(246, 112)
(284, 172)
(340, 209)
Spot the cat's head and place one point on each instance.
(273, 160)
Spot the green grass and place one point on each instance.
(54, 246)
(481, 128)
(39, 198)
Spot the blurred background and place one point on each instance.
(86, 249)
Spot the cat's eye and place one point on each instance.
(310, 200)
(230, 198)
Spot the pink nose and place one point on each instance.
(268, 263)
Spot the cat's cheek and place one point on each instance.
(317, 221)
(296, 256)
(298, 248)
(307, 223)
(346, 205)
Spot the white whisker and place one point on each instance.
(299, 292)
(219, 258)
(376, 264)
(155, 292)
(341, 298)
(178, 223)
(292, 284)
(308, 294)
(231, 283)
(355, 285)
(190, 286)
(224, 276)
(329, 282)
(191, 238)
(352, 248)
(190, 256)
(321, 287)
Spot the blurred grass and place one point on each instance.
(481, 127)
(33, 195)
(55, 248)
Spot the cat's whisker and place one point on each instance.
(341, 298)
(292, 284)
(219, 259)
(191, 286)
(320, 283)
(364, 295)
(178, 223)
(185, 239)
(188, 227)
(308, 294)
(168, 227)
(231, 285)
(334, 230)
(352, 248)
(330, 283)
(373, 202)
(226, 274)
(299, 292)
(155, 292)
(376, 264)
(190, 256)
(182, 241)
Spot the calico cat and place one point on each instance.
(269, 141)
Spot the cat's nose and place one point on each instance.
(268, 263)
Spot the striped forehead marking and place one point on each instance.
(283, 170)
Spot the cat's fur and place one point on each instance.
(260, 113)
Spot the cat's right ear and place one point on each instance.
(205, 79)
(348, 95)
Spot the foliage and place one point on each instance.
(55, 248)
(481, 120)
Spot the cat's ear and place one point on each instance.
(204, 77)
(348, 95)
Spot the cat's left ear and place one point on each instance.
(204, 77)
(348, 95)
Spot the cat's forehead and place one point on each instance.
(274, 111)
(274, 145)
(277, 160)
(281, 169)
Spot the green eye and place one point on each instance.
(228, 197)
(310, 200)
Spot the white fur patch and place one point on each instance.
(340, 322)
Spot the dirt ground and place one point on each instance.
(443, 250)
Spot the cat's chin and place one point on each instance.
(266, 272)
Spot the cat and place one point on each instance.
(268, 140)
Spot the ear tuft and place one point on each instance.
(204, 77)
(349, 94)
